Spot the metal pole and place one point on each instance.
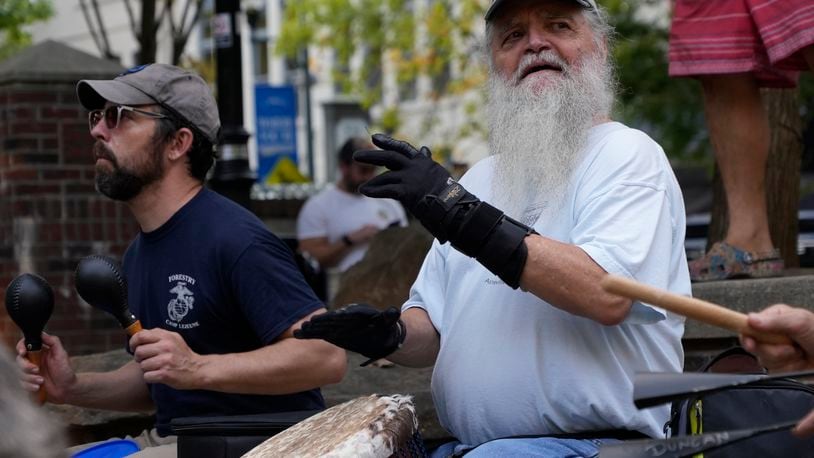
(309, 136)
(232, 176)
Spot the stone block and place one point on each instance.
(750, 295)
(384, 276)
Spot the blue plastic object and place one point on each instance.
(109, 449)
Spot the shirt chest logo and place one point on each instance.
(182, 303)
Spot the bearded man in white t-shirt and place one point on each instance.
(336, 225)
(507, 305)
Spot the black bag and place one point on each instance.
(230, 436)
(754, 405)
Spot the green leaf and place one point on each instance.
(14, 15)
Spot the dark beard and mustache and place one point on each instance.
(353, 186)
(121, 183)
(538, 135)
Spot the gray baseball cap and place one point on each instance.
(182, 92)
(497, 4)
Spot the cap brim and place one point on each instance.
(497, 4)
(94, 94)
(490, 13)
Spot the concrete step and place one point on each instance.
(752, 295)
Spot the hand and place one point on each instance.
(56, 373)
(166, 358)
(359, 328)
(422, 185)
(363, 234)
(805, 427)
(797, 324)
(446, 209)
(413, 175)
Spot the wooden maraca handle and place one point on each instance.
(133, 328)
(703, 311)
(36, 358)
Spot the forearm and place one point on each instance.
(328, 254)
(287, 366)
(421, 346)
(566, 277)
(123, 390)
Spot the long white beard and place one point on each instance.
(538, 135)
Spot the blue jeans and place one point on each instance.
(549, 447)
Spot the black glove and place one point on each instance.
(445, 208)
(359, 328)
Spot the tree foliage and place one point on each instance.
(14, 15)
(443, 42)
(367, 35)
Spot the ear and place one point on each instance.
(180, 144)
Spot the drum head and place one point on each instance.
(370, 426)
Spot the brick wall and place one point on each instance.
(51, 216)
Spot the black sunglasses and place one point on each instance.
(113, 115)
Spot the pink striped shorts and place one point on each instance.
(764, 37)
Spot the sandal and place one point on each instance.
(724, 261)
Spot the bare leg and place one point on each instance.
(739, 130)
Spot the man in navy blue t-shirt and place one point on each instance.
(219, 296)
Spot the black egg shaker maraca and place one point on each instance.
(100, 282)
(30, 302)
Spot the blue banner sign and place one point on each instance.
(276, 115)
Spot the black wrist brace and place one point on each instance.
(478, 230)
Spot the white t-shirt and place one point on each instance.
(333, 213)
(511, 364)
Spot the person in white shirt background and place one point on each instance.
(336, 225)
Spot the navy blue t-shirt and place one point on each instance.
(216, 275)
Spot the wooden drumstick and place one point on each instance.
(703, 311)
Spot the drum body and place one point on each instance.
(372, 426)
